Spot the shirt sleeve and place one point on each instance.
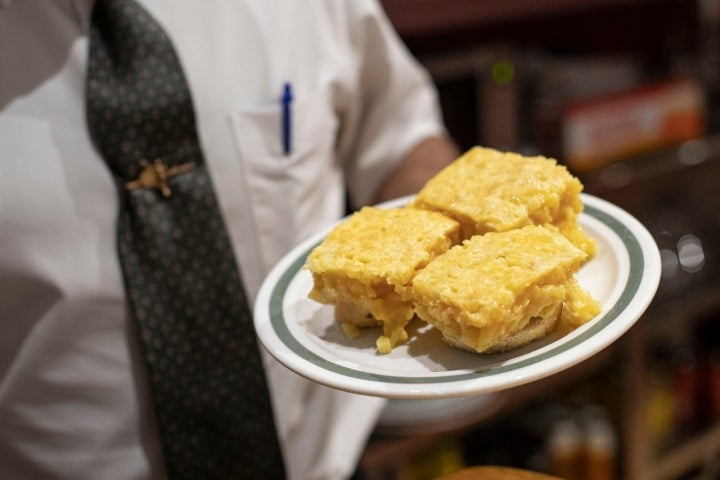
(393, 107)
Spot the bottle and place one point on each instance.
(565, 450)
(600, 450)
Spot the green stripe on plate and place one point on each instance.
(627, 237)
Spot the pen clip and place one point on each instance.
(286, 101)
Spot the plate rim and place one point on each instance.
(639, 290)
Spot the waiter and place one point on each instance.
(294, 102)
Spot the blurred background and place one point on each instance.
(626, 93)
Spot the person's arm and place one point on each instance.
(419, 165)
(392, 138)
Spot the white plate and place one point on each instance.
(302, 334)
(424, 416)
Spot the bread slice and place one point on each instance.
(486, 190)
(501, 290)
(366, 264)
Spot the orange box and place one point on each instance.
(602, 130)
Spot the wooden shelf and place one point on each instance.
(447, 36)
(423, 17)
(693, 453)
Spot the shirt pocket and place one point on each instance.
(292, 194)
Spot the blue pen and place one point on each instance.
(287, 98)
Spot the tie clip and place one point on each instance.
(156, 175)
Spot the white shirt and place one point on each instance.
(72, 398)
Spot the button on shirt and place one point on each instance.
(73, 399)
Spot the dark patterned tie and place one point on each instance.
(183, 285)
